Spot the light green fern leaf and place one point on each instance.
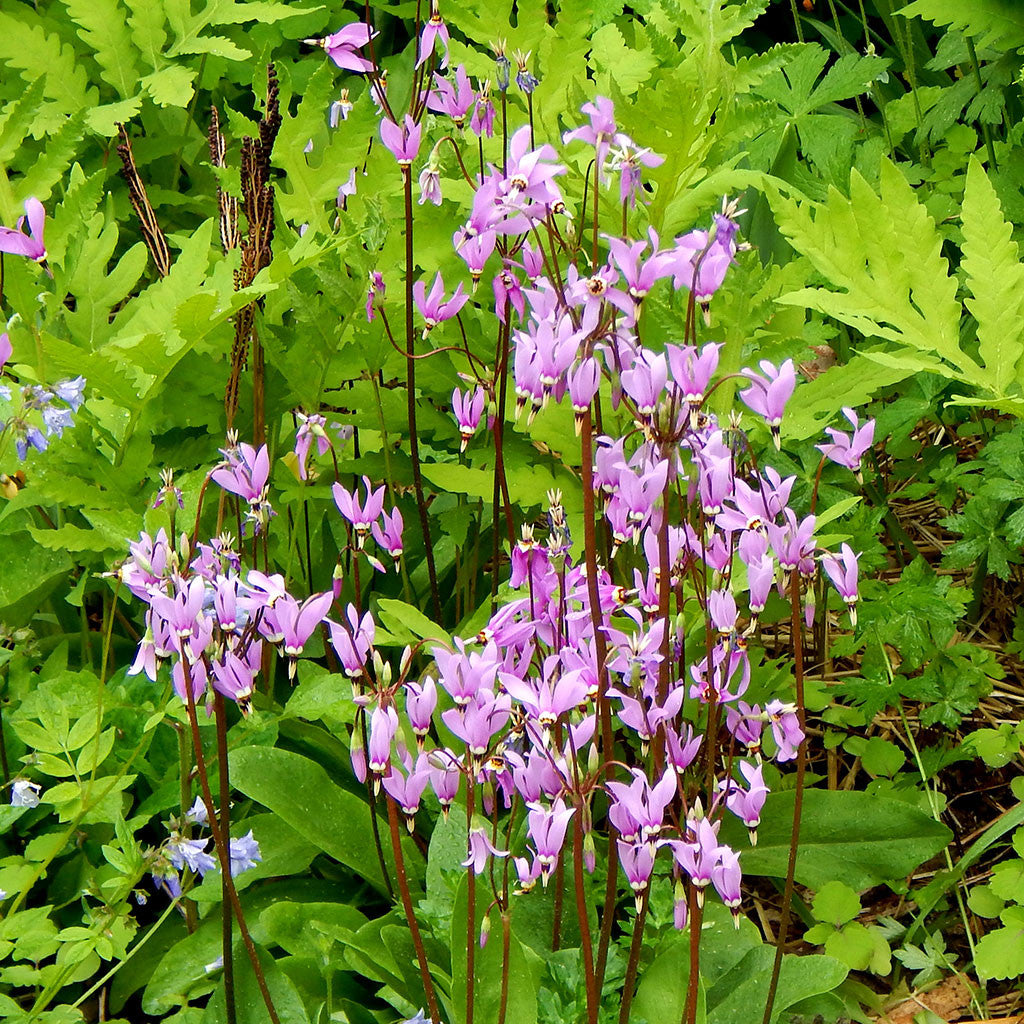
(995, 277)
(104, 28)
(148, 25)
(29, 50)
(52, 163)
(881, 255)
(997, 23)
(16, 120)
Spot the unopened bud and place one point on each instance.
(485, 930)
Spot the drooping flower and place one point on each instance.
(601, 130)
(25, 793)
(434, 31)
(480, 847)
(402, 140)
(362, 515)
(454, 100)
(842, 571)
(244, 852)
(431, 308)
(468, 408)
(846, 450)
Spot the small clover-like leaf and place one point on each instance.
(835, 904)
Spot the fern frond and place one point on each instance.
(881, 255)
(995, 277)
(103, 27)
(28, 49)
(147, 22)
(998, 23)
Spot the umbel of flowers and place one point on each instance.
(607, 698)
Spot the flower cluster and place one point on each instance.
(181, 853)
(630, 679)
(39, 412)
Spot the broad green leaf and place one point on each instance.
(730, 999)
(996, 279)
(310, 929)
(147, 22)
(170, 86)
(302, 793)
(522, 981)
(410, 620)
(859, 839)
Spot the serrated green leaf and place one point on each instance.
(995, 277)
(170, 86)
(104, 28)
(882, 256)
(147, 22)
(52, 164)
(29, 50)
(16, 119)
(991, 22)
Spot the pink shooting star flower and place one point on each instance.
(546, 827)
(297, 621)
(530, 171)
(637, 862)
(482, 121)
(845, 450)
(785, 728)
(726, 876)
(842, 571)
(468, 409)
(748, 803)
(234, 678)
(361, 515)
(701, 258)
(407, 791)
(383, 726)
(599, 133)
(480, 847)
(310, 427)
(455, 100)
(17, 243)
(376, 290)
(431, 308)
(629, 160)
(402, 140)
(341, 46)
(475, 250)
(389, 536)
(353, 641)
(420, 704)
(584, 382)
(434, 31)
(693, 370)
(768, 397)
(244, 472)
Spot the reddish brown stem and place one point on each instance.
(410, 914)
(798, 800)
